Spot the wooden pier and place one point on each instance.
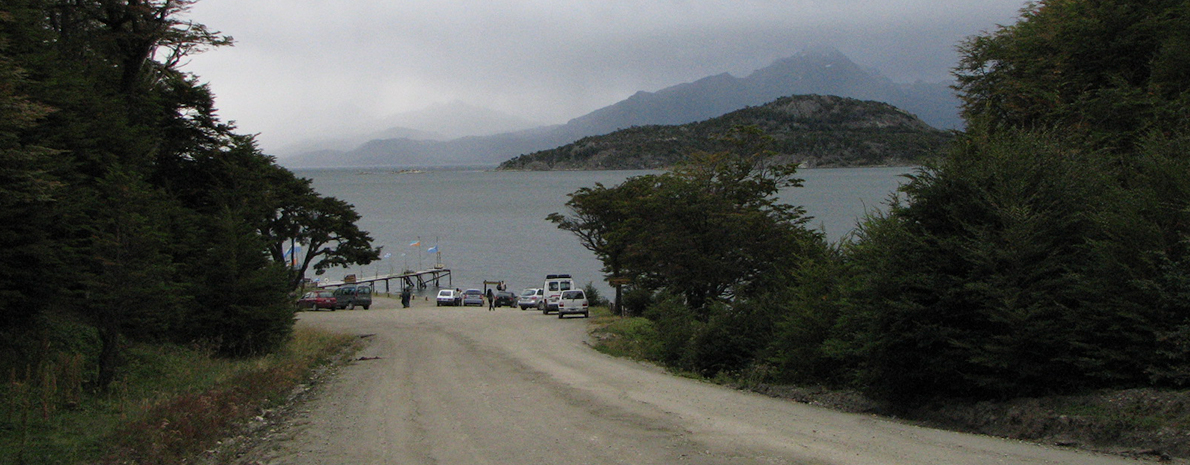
(418, 279)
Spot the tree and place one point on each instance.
(28, 192)
(1108, 71)
(1045, 252)
(168, 207)
(709, 230)
(985, 283)
(131, 290)
(599, 216)
(325, 226)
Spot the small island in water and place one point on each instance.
(811, 130)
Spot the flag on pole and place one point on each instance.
(433, 249)
(415, 243)
(291, 254)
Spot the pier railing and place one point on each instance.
(418, 279)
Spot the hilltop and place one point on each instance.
(815, 130)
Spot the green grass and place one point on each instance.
(170, 403)
(634, 338)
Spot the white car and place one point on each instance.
(449, 298)
(529, 298)
(572, 303)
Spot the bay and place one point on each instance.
(490, 225)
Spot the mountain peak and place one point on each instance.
(820, 51)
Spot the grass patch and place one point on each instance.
(634, 338)
(171, 403)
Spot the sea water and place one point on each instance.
(491, 226)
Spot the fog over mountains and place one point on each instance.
(410, 142)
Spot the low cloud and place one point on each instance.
(304, 67)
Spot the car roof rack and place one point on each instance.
(556, 276)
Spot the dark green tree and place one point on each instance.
(708, 248)
(131, 290)
(709, 230)
(28, 193)
(325, 226)
(1107, 72)
(1045, 252)
(983, 283)
(601, 218)
(163, 237)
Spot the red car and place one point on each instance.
(315, 300)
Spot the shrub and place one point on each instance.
(594, 297)
(676, 327)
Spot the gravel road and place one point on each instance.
(443, 385)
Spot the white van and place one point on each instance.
(555, 284)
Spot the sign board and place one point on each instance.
(616, 281)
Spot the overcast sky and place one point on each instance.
(309, 68)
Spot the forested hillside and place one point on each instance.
(812, 130)
(129, 213)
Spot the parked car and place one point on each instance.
(473, 297)
(505, 298)
(555, 285)
(449, 297)
(316, 300)
(350, 297)
(573, 302)
(529, 298)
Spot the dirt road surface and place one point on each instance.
(472, 386)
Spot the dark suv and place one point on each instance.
(350, 297)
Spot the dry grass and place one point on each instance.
(172, 403)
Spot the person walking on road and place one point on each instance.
(491, 301)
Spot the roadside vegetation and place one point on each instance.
(1032, 281)
(172, 404)
(144, 273)
(1149, 423)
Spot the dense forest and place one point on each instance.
(1045, 252)
(812, 130)
(130, 212)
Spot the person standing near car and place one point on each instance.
(491, 301)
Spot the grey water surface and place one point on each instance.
(490, 225)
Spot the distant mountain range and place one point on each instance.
(822, 72)
(439, 122)
(813, 130)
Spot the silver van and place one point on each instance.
(350, 297)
